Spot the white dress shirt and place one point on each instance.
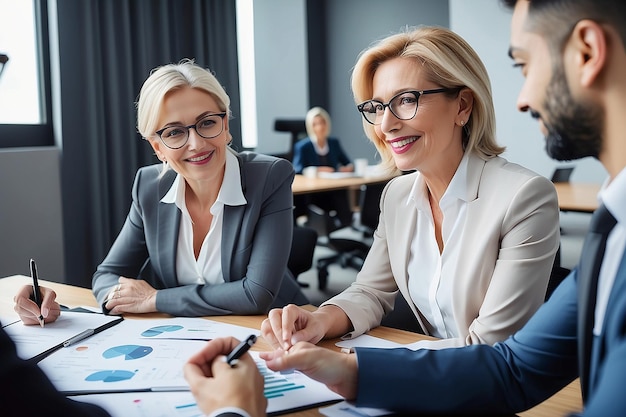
(428, 270)
(614, 198)
(207, 269)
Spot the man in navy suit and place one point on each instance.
(572, 55)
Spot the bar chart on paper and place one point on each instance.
(284, 392)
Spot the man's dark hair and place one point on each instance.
(555, 19)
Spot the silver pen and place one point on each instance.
(80, 336)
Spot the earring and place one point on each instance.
(462, 122)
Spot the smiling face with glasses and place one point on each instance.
(176, 136)
(403, 105)
(193, 135)
(414, 119)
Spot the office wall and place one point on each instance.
(353, 25)
(282, 63)
(281, 69)
(30, 212)
(486, 26)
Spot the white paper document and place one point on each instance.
(192, 328)
(33, 340)
(136, 355)
(285, 392)
(366, 340)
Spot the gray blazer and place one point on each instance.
(256, 242)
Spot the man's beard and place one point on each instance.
(574, 130)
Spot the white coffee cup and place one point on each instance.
(360, 166)
(310, 172)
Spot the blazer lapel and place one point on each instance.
(615, 299)
(231, 226)
(168, 227)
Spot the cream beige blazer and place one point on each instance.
(509, 245)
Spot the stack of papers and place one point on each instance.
(135, 368)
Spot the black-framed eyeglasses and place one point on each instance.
(175, 137)
(403, 105)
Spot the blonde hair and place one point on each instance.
(447, 60)
(170, 77)
(311, 115)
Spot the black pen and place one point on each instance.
(36, 290)
(240, 349)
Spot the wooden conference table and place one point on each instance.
(577, 196)
(305, 185)
(572, 196)
(566, 401)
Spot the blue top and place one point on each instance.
(304, 155)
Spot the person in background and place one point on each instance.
(195, 242)
(325, 153)
(319, 149)
(469, 239)
(572, 54)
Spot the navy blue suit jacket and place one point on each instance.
(304, 155)
(511, 376)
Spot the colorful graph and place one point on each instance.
(130, 352)
(156, 331)
(275, 384)
(110, 376)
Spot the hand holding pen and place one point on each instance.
(215, 384)
(30, 311)
(36, 290)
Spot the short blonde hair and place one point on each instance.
(311, 115)
(448, 61)
(170, 77)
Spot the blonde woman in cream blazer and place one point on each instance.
(508, 246)
(469, 239)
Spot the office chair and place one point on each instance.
(562, 174)
(296, 127)
(347, 252)
(369, 204)
(302, 250)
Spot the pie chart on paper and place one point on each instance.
(129, 352)
(157, 330)
(110, 376)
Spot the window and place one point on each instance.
(25, 114)
(247, 80)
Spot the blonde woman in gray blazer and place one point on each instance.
(210, 232)
(469, 239)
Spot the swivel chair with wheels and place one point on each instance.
(347, 252)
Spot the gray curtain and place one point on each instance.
(106, 50)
